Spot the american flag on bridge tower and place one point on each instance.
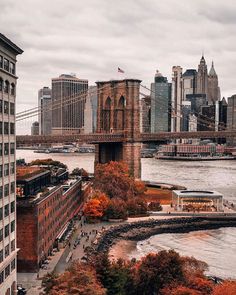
(120, 70)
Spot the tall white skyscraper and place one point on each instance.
(45, 114)
(8, 249)
(176, 99)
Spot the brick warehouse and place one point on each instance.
(42, 218)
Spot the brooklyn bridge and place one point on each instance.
(118, 135)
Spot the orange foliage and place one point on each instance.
(93, 209)
(227, 288)
(114, 179)
(79, 279)
(96, 207)
(180, 290)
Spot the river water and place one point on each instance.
(216, 247)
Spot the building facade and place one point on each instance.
(202, 77)
(68, 102)
(231, 118)
(189, 83)
(176, 99)
(35, 128)
(213, 93)
(8, 249)
(43, 214)
(146, 114)
(90, 110)
(160, 104)
(45, 111)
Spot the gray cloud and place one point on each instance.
(92, 38)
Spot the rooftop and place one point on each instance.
(28, 172)
(10, 44)
(197, 193)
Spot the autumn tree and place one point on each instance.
(114, 179)
(96, 206)
(226, 288)
(136, 206)
(79, 279)
(116, 209)
(157, 271)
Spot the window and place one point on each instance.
(13, 207)
(6, 149)
(6, 169)
(12, 108)
(1, 61)
(13, 264)
(0, 127)
(1, 277)
(6, 86)
(12, 68)
(7, 250)
(1, 191)
(0, 101)
(1, 234)
(1, 84)
(12, 168)
(13, 245)
(0, 170)
(7, 271)
(12, 89)
(1, 256)
(6, 190)
(0, 149)
(6, 231)
(12, 128)
(6, 128)
(1, 215)
(6, 210)
(12, 187)
(6, 64)
(12, 148)
(6, 107)
(12, 226)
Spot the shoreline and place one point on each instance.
(142, 230)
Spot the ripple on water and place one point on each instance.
(215, 247)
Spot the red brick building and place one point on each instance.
(41, 219)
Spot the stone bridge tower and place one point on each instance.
(119, 113)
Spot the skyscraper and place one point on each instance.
(189, 83)
(176, 99)
(231, 118)
(45, 113)
(8, 249)
(90, 110)
(68, 101)
(213, 93)
(160, 103)
(202, 77)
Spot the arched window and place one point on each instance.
(120, 114)
(108, 103)
(6, 86)
(107, 115)
(1, 84)
(12, 91)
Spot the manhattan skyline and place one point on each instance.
(93, 39)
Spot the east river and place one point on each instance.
(216, 247)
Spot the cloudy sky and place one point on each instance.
(92, 38)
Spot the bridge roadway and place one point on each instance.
(30, 140)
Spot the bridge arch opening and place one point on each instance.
(107, 115)
(120, 114)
